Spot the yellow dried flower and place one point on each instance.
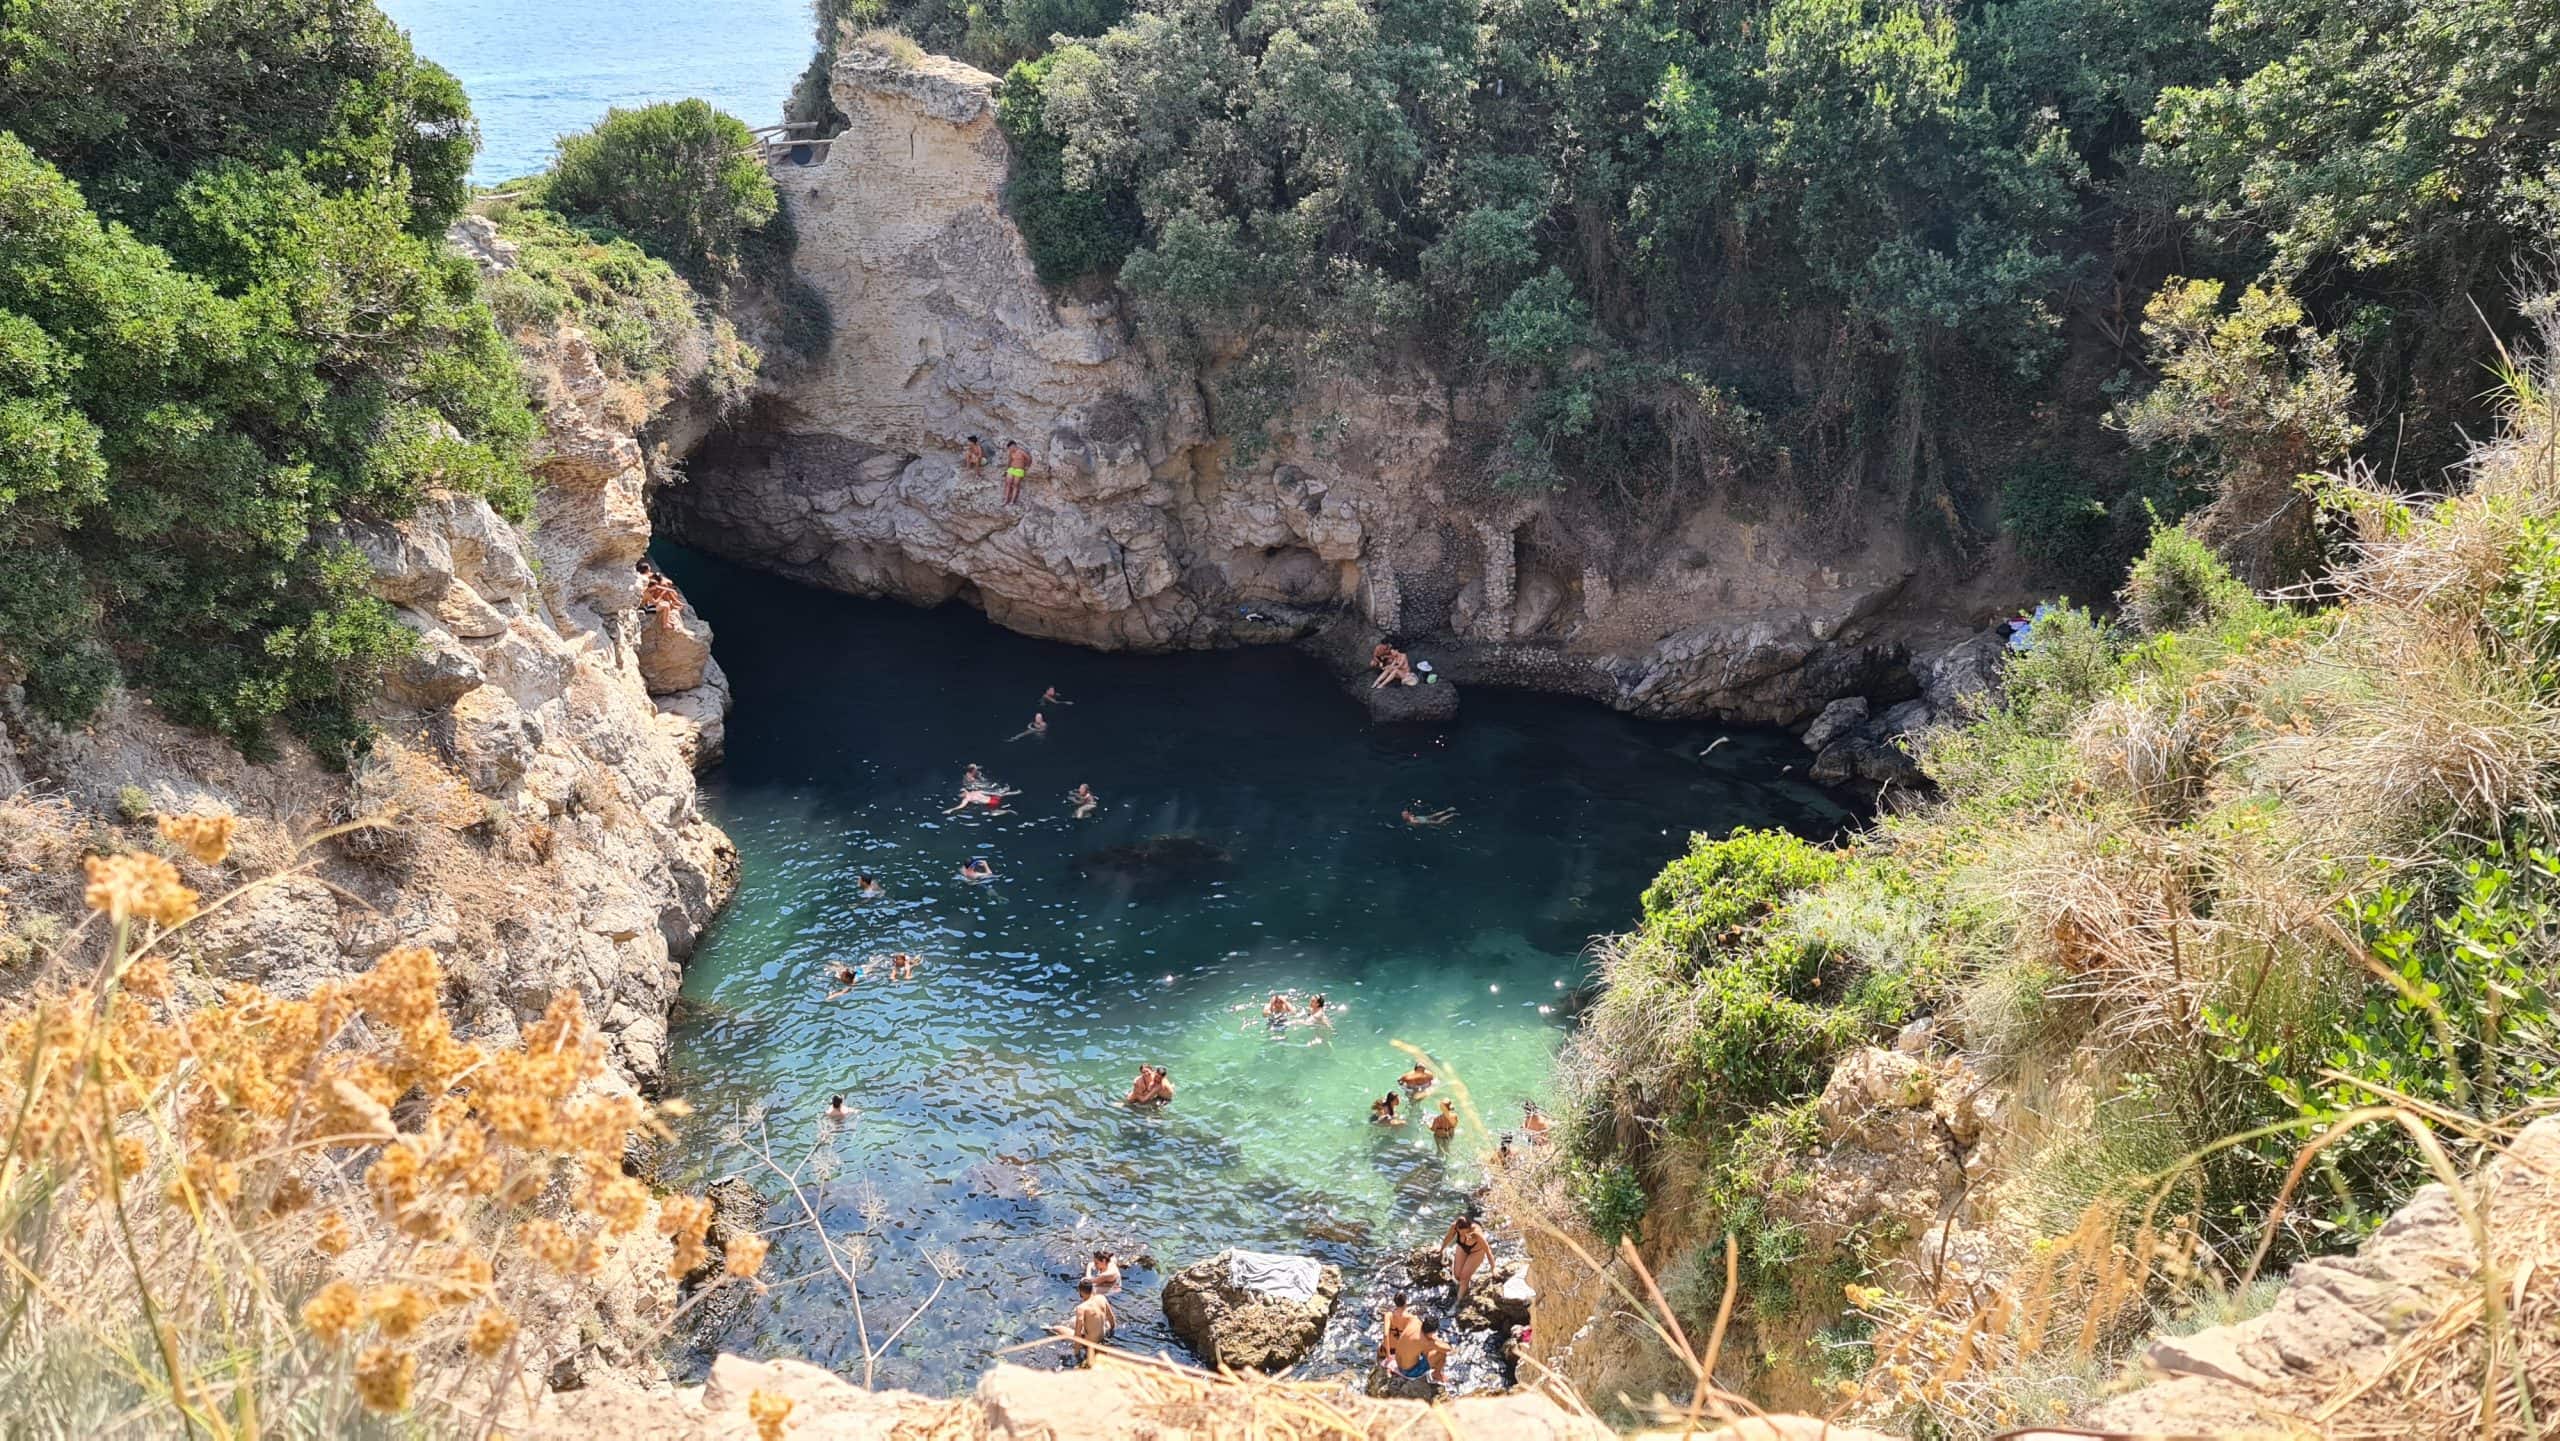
(207, 838)
(549, 1244)
(492, 1331)
(148, 978)
(383, 1379)
(132, 886)
(398, 1309)
(746, 1255)
(333, 1239)
(621, 1203)
(329, 1315)
(131, 1157)
(770, 1412)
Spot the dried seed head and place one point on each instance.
(329, 1315)
(492, 1331)
(384, 1378)
(746, 1255)
(770, 1413)
(138, 887)
(207, 838)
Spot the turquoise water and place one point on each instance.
(988, 1131)
(536, 72)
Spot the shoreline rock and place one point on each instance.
(1230, 1324)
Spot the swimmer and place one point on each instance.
(1039, 727)
(836, 1110)
(902, 967)
(1150, 1089)
(1382, 1111)
(1445, 1125)
(1278, 1008)
(1466, 1240)
(1417, 1080)
(975, 779)
(847, 977)
(1534, 1121)
(1103, 1272)
(1429, 818)
(1086, 802)
(976, 869)
(1317, 1014)
(1051, 697)
(869, 887)
(992, 800)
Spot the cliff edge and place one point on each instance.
(1146, 525)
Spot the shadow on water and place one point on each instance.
(1248, 841)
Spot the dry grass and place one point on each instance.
(268, 1214)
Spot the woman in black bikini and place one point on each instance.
(1472, 1250)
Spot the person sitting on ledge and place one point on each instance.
(1394, 667)
(1534, 1121)
(974, 455)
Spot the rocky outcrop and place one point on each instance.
(2386, 1341)
(1230, 1323)
(1145, 526)
(1109, 1402)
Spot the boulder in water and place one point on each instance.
(1430, 703)
(1247, 1310)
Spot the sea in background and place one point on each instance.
(537, 72)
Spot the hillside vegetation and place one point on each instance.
(2209, 883)
(1845, 262)
(229, 320)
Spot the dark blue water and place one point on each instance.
(538, 71)
(989, 1135)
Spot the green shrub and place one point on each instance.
(2180, 584)
(680, 179)
(1071, 233)
(1611, 1197)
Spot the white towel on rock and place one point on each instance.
(1273, 1278)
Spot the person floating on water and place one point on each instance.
(1151, 1088)
(976, 870)
(1092, 1324)
(1103, 1272)
(974, 455)
(1417, 1080)
(902, 967)
(1017, 465)
(1470, 1250)
(836, 1110)
(1086, 802)
(1382, 1111)
(1418, 1352)
(846, 977)
(1413, 817)
(976, 779)
(992, 800)
(1039, 727)
(1445, 1125)
(869, 887)
(1318, 1014)
(1050, 697)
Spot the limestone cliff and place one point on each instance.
(531, 789)
(1141, 526)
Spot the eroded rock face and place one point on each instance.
(1140, 526)
(1229, 1325)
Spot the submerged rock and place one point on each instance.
(1157, 859)
(1426, 704)
(1229, 1320)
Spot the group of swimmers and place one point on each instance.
(896, 966)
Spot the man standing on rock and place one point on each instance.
(1017, 464)
(1093, 1322)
